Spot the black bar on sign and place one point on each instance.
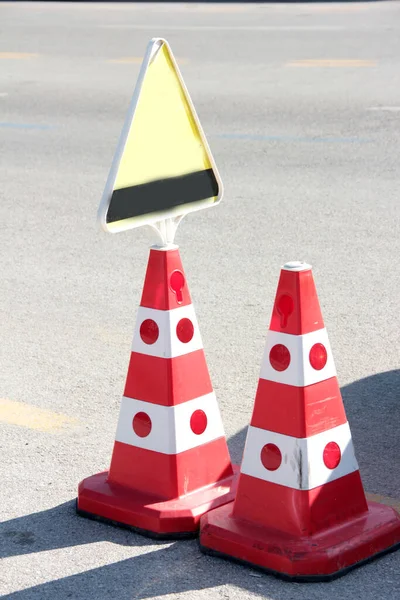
(161, 195)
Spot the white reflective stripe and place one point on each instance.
(299, 372)
(170, 425)
(167, 345)
(302, 466)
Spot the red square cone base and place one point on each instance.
(323, 556)
(149, 515)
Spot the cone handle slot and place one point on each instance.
(285, 307)
(177, 282)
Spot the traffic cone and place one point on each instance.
(170, 462)
(300, 510)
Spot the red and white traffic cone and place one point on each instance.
(170, 462)
(300, 508)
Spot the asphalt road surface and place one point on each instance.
(301, 106)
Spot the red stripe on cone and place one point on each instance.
(299, 512)
(170, 475)
(167, 381)
(165, 284)
(296, 307)
(296, 411)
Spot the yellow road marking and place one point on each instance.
(135, 60)
(32, 417)
(331, 62)
(393, 502)
(17, 55)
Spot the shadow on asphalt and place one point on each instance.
(59, 527)
(373, 411)
(372, 407)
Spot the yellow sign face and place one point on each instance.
(163, 166)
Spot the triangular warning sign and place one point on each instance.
(163, 166)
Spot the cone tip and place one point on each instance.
(296, 265)
(164, 247)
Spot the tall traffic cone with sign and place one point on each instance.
(300, 508)
(170, 462)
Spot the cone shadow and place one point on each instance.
(372, 409)
(181, 568)
(58, 527)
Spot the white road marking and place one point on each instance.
(331, 62)
(164, 27)
(385, 108)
